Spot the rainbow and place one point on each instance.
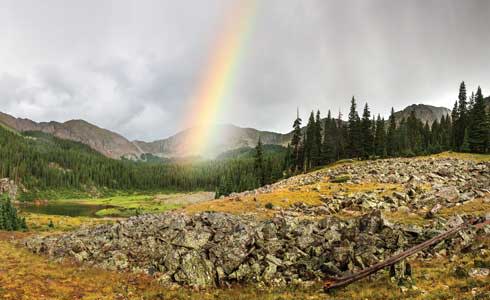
(216, 81)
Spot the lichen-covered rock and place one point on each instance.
(211, 249)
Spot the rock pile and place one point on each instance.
(216, 249)
(423, 183)
(8, 186)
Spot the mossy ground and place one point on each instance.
(125, 206)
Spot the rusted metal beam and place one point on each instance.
(346, 280)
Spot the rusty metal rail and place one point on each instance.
(335, 283)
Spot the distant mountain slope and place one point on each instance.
(487, 103)
(102, 140)
(249, 152)
(423, 112)
(226, 138)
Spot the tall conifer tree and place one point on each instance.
(354, 131)
(380, 137)
(296, 143)
(478, 132)
(366, 133)
(391, 146)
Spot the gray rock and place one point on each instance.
(191, 239)
(479, 272)
(196, 270)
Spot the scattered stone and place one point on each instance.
(450, 194)
(479, 272)
(431, 213)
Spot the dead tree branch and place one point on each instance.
(335, 283)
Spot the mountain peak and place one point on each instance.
(102, 140)
(423, 112)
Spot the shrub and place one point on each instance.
(9, 220)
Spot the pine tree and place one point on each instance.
(426, 136)
(414, 128)
(317, 154)
(342, 134)
(366, 133)
(446, 133)
(354, 131)
(471, 101)
(288, 160)
(465, 147)
(454, 119)
(296, 143)
(462, 120)
(259, 164)
(302, 154)
(310, 142)
(391, 146)
(478, 132)
(329, 140)
(380, 138)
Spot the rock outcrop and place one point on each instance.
(404, 184)
(216, 249)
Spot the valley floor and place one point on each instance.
(24, 275)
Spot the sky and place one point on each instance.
(134, 66)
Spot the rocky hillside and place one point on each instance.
(102, 140)
(346, 230)
(423, 112)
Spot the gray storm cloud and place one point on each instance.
(131, 66)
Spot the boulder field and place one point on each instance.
(299, 244)
(216, 249)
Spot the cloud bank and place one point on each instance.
(132, 66)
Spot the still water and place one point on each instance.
(63, 208)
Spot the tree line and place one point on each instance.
(323, 141)
(263, 167)
(42, 162)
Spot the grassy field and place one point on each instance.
(127, 205)
(124, 206)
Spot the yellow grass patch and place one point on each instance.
(286, 197)
(41, 222)
(475, 207)
(465, 156)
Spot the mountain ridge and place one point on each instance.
(228, 137)
(107, 142)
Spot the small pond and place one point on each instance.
(63, 208)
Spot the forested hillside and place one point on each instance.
(364, 136)
(43, 162)
(248, 152)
